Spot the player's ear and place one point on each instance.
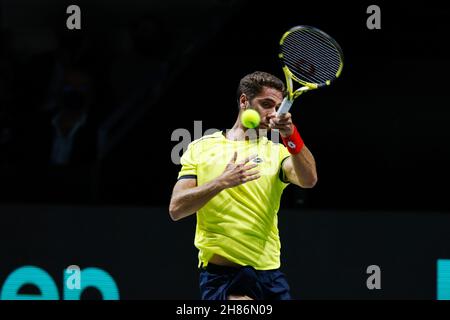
(243, 102)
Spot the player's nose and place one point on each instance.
(271, 114)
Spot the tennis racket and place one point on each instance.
(311, 58)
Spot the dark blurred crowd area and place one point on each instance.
(58, 89)
(87, 116)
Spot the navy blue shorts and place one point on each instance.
(218, 282)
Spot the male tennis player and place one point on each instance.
(234, 184)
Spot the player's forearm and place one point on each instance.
(189, 201)
(305, 168)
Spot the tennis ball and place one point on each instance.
(250, 118)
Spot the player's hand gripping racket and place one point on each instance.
(311, 58)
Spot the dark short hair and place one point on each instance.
(252, 84)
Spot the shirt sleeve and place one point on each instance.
(189, 164)
(284, 155)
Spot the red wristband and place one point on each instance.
(294, 143)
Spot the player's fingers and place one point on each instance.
(282, 121)
(284, 116)
(249, 158)
(250, 166)
(251, 173)
(286, 129)
(275, 121)
(233, 159)
(251, 178)
(278, 126)
(283, 124)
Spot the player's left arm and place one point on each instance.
(299, 168)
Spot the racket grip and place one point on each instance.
(285, 106)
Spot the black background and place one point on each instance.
(379, 135)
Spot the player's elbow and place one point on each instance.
(174, 211)
(310, 183)
(174, 215)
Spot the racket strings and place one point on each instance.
(313, 53)
(312, 66)
(318, 46)
(310, 56)
(309, 71)
(304, 42)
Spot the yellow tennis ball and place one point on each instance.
(250, 118)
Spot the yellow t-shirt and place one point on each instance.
(239, 223)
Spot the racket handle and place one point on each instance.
(285, 106)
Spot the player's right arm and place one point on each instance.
(187, 198)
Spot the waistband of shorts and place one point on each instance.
(218, 269)
(215, 268)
